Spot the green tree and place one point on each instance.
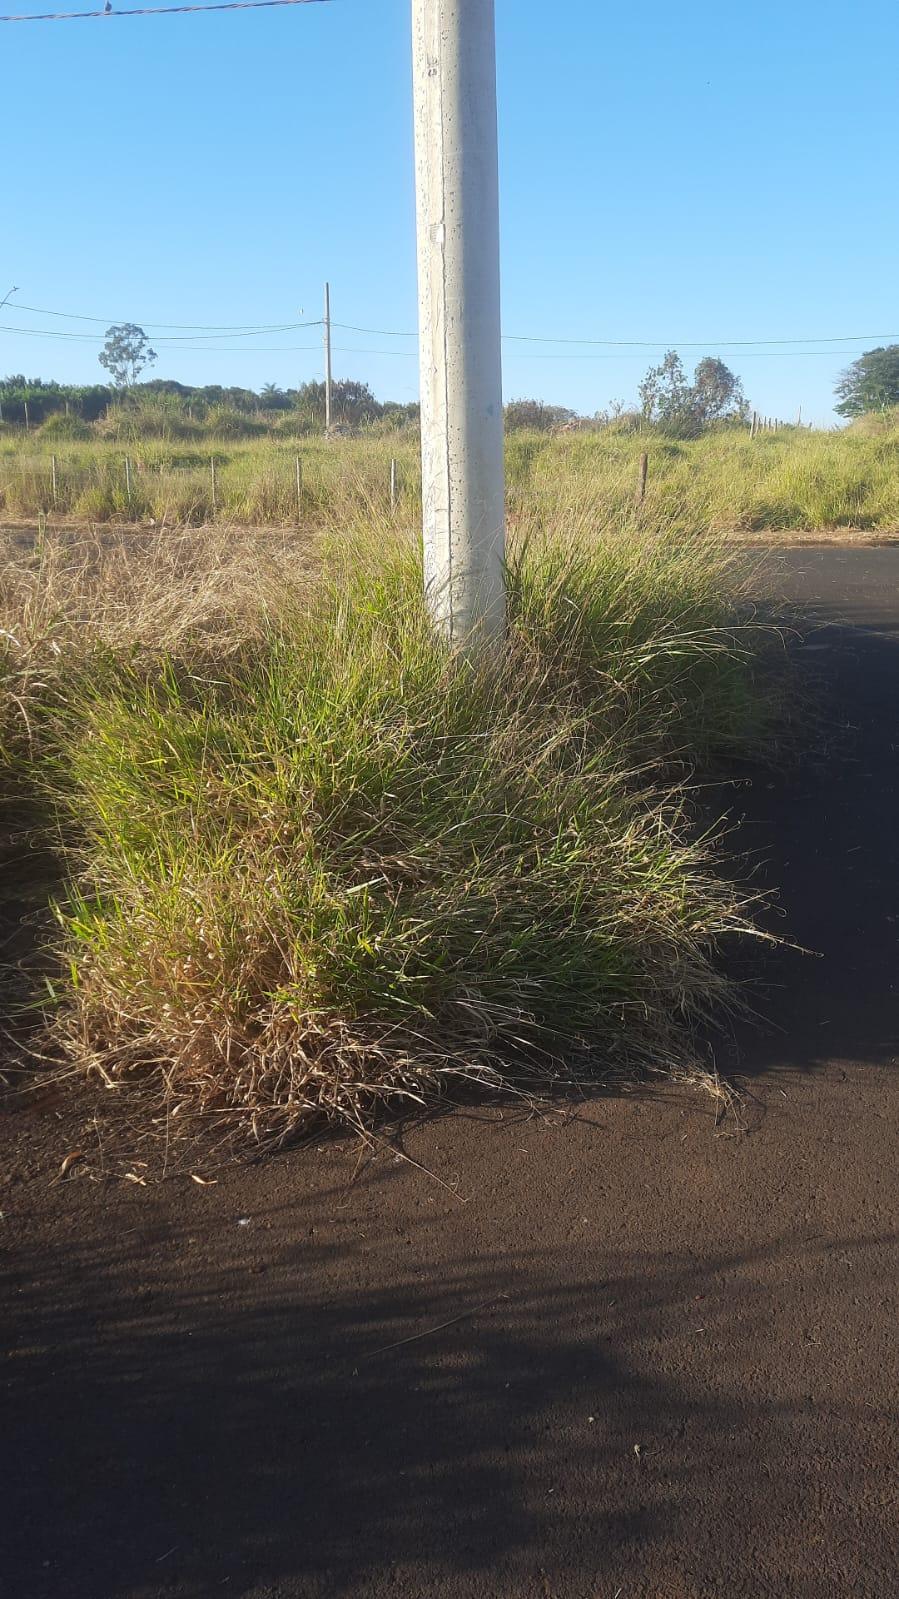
(871, 383)
(665, 392)
(273, 398)
(352, 403)
(717, 392)
(126, 353)
(668, 401)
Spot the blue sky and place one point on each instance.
(691, 176)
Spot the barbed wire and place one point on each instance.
(156, 11)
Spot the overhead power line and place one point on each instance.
(701, 344)
(206, 349)
(190, 327)
(187, 339)
(643, 344)
(202, 337)
(157, 11)
(635, 355)
(198, 331)
(380, 333)
(411, 355)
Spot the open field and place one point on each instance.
(724, 481)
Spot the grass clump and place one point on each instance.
(317, 861)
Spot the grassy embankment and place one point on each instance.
(792, 479)
(314, 861)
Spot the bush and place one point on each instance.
(152, 417)
(876, 424)
(61, 428)
(295, 425)
(226, 422)
(536, 416)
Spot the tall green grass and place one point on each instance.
(316, 861)
(792, 479)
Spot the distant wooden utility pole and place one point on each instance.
(457, 194)
(327, 357)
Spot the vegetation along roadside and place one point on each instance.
(313, 862)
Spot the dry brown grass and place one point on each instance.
(147, 586)
(69, 594)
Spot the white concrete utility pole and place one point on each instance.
(327, 327)
(457, 192)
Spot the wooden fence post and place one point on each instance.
(393, 487)
(212, 475)
(299, 487)
(53, 479)
(642, 474)
(128, 479)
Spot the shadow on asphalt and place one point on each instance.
(209, 1445)
(823, 839)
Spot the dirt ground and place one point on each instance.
(615, 1353)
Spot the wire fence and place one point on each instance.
(283, 490)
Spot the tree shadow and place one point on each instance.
(576, 1416)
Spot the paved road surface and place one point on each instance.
(668, 1365)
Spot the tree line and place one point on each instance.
(353, 403)
(668, 400)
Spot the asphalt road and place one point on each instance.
(625, 1355)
